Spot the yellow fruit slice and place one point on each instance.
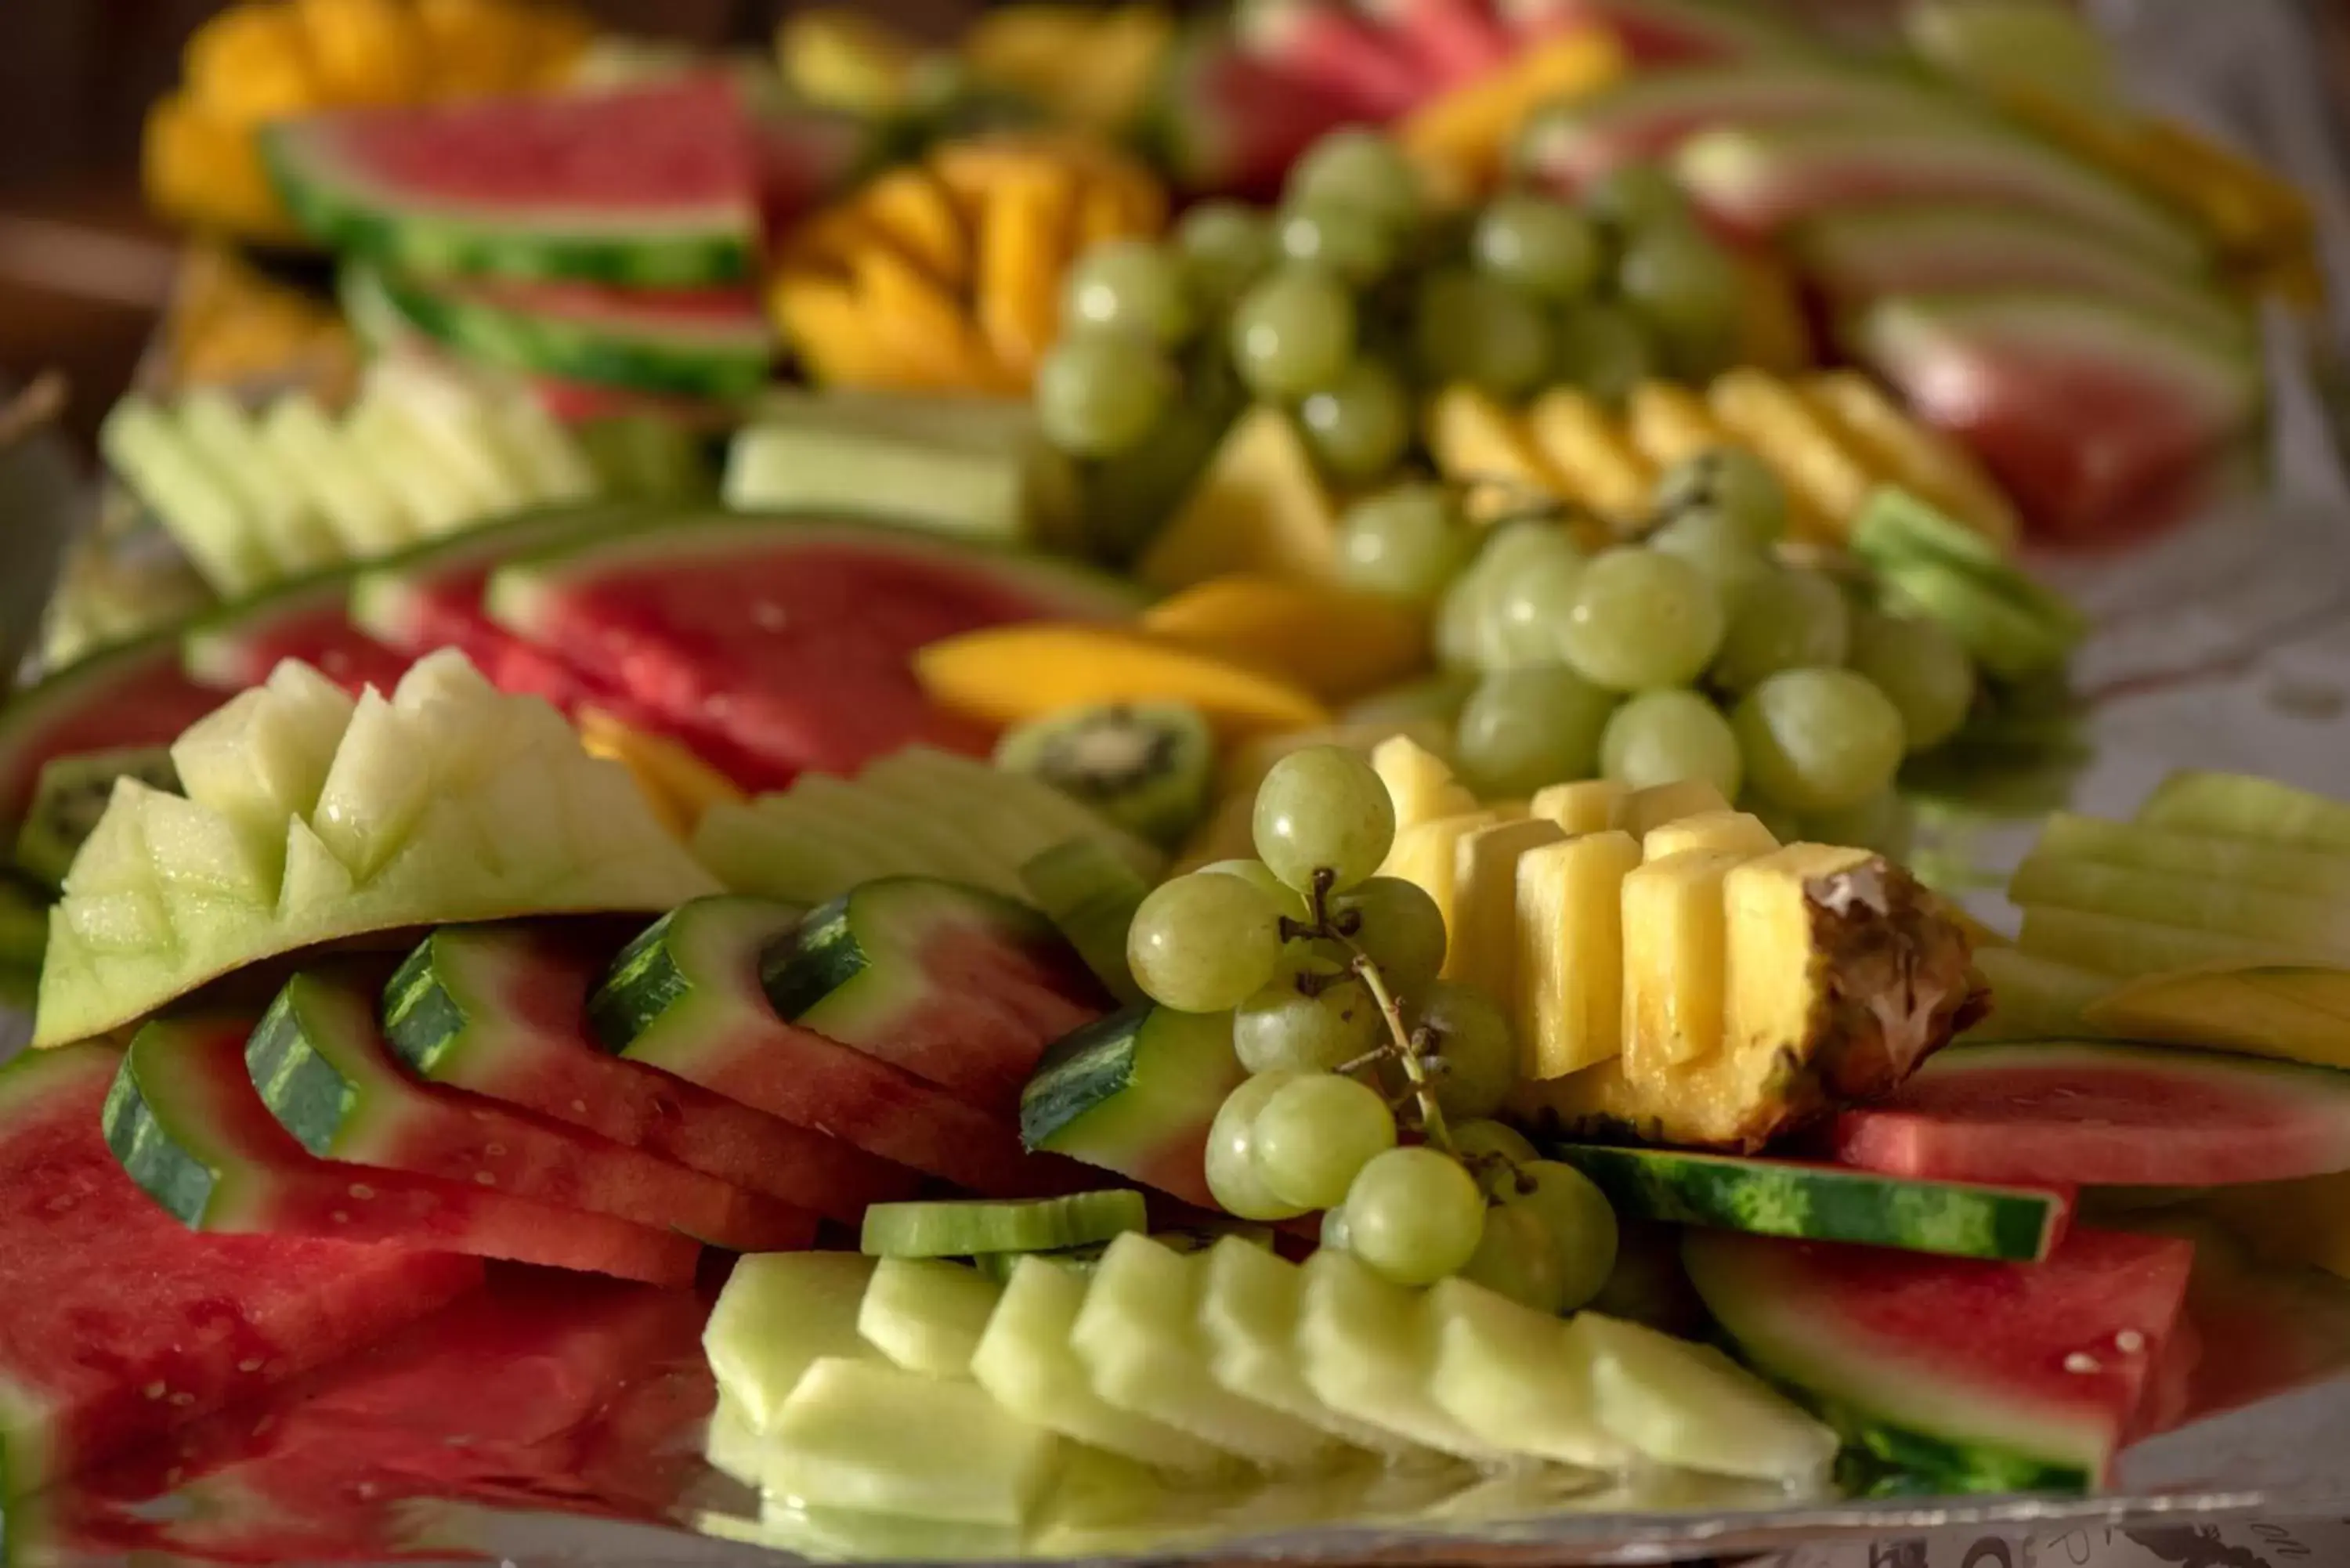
(1259, 508)
(1428, 857)
(1121, 62)
(1597, 464)
(1731, 830)
(1477, 442)
(1587, 805)
(932, 344)
(1024, 232)
(912, 210)
(1570, 934)
(1334, 642)
(679, 786)
(1007, 675)
(1462, 138)
(206, 172)
(1773, 334)
(1772, 989)
(365, 51)
(844, 60)
(251, 63)
(830, 242)
(1669, 423)
(1826, 484)
(1482, 949)
(830, 331)
(2296, 1013)
(1673, 959)
(1419, 782)
(477, 47)
(1903, 452)
(1644, 810)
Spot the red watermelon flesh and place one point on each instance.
(515, 1397)
(2040, 1367)
(1231, 124)
(2102, 420)
(122, 1325)
(1325, 42)
(134, 695)
(1660, 33)
(793, 637)
(187, 1093)
(802, 156)
(237, 646)
(2099, 1115)
(1454, 41)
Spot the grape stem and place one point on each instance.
(1409, 1046)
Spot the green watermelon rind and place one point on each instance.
(525, 593)
(1820, 1203)
(1905, 329)
(381, 591)
(720, 362)
(628, 246)
(1889, 1409)
(77, 685)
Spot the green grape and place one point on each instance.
(1323, 809)
(1531, 602)
(1293, 331)
(1681, 283)
(1788, 618)
(1414, 1215)
(1488, 1140)
(1819, 740)
(1522, 729)
(1281, 1027)
(1334, 1228)
(1231, 1173)
(1100, 393)
(1716, 544)
(1128, 286)
(1360, 169)
(1225, 246)
(1881, 823)
(1511, 545)
(1478, 1048)
(1921, 668)
(1638, 197)
(1732, 483)
(1641, 619)
(1203, 943)
(1604, 351)
(1519, 1258)
(1313, 1136)
(1538, 246)
(1436, 698)
(1474, 328)
(1668, 736)
(1459, 633)
(1399, 928)
(1257, 874)
(1346, 240)
(1359, 424)
(1579, 1219)
(1407, 543)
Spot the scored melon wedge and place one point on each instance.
(1516, 1377)
(1364, 1346)
(777, 1315)
(2296, 1013)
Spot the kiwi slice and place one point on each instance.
(949, 1230)
(1146, 767)
(70, 797)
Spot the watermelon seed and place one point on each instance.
(494, 1150)
(2081, 1362)
(485, 1179)
(2129, 1341)
(340, 1218)
(580, 1106)
(153, 1390)
(250, 1364)
(361, 1190)
(183, 1401)
(768, 616)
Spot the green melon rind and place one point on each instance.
(316, 1098)
(1819, 1203)
(643, 356)
(424, 1021)
(381, 592)
(83, 683)
(163, 1154)
(628, 245)
(1886, 1408)
(524, 593)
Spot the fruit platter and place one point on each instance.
(1368, 779)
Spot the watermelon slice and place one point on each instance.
(1757, 181)
(690, 342)
(1960, 1375)
(1658, 34)
(186, 1122)
(1228, 123)
(238, 644)
(1453, 41)
(1326, 43)
(130, 695)
(650, 187)
(802, 155)
(510, 1396)
(1647, 116)
(790, 636)
(2100, 418)
(2102, 1115)
(120, 1323)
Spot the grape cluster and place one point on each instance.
(1371, 1080)
(1357, 289)
(1704, 650)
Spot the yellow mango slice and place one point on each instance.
(1773, 334)
(913, 212)
(1669, 423)
(1464, 137)
(1827, 485)
(365, 51)
(829, 329)
(839, 57)
(1673, 959)
(1258, 507)
(1007, 675)
(477, 48)
(829, 242)
(1477, 442)
(1483, 927)
(1644, 810)
(1737, 830)
(1902, 451)
(251, 63)
(1595, 462)
(1419, 782)
(1336, 643)
(1586, 805)
(1024, 228)
(932, 344)
(206, 172)
(1570, 934)
(679, 786)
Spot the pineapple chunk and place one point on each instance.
(1587, 805)
(1580, 442)
(1669, 423)
(1841, 975)
(1419, 782)
(1735, 830)
(1570, 990)
(1673, 942)
(1478, 444)
(1484, 948)
(1826, 484)
(1428, 855)
(1644, 810)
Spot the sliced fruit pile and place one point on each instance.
(263, 60)
(946, 274)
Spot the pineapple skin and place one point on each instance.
(1881, 979)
